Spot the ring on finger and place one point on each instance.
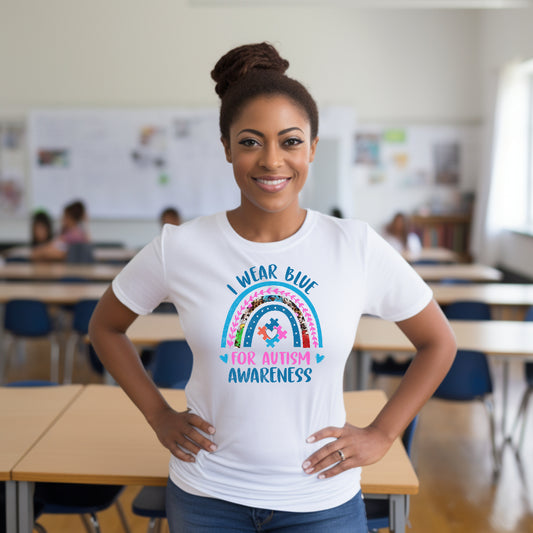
(341, 455)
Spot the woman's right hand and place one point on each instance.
(179, 433)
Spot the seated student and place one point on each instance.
(41, 228)
(170, 215)
(400, 235)
(73, 230)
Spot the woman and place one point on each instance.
(400, 236)
(41, 228)
(269, 297)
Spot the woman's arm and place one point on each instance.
(433, 338)
(48, 252)
(176, 431)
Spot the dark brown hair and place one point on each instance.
(75, 210)
(253, 70)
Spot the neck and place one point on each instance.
(264, 226)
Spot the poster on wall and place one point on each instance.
(129, 164)
(12, 167)
(414, 155)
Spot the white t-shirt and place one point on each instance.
(270, 326)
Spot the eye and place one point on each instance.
(249, 143)
(293, 141)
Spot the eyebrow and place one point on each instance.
(258, 133)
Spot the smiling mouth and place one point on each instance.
(271, 181)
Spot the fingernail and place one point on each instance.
(309, 470)
(213, 447)
(311, 439)
(211, 430)
(321, 476)
(306, 464)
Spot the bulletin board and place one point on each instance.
(12, 167)
(129, 164)
(413, 156)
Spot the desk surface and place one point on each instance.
(492, 293)
(52, 293)
(494, 337)
(103, 438)
(442, 255)
(57, 271)
(25, 414)
(470, 271)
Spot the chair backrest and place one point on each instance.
(80, 252)
(172, 365)
(469, 378)
(529, 315)
(468, 310)
(27, 318)
(83, 311)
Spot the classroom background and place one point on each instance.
(112, 103)
(423, 82)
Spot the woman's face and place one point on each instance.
(270, 148)
(40, 232)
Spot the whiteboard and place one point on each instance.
(129, 164)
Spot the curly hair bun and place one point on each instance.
(237, 63)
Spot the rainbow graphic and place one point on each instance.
(250, 316)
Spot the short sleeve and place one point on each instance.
(141, 285)
(394, 290)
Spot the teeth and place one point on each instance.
(270, 182)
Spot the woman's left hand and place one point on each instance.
(353, 447)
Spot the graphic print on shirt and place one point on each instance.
(272, 332)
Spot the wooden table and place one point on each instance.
(52, 293)
(25, 415)
(102, 435)
(507, 299)
(469, 271)
(441, 255)
(497, 338)
(505, 338)
(57, 271)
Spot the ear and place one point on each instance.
(227, 149)
(313, 149)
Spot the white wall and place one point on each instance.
(389, 65)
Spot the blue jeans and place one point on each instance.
(187, 513)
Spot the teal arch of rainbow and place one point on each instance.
(249, 325)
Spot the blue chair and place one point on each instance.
(469, 378)
(82, 312)
(80, 252)
(171, 367)
(521, 416)
(172, 364)
(29, 319)
(74, 498)
(377, 510)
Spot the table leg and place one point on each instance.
(11, 506)
(25, 506)
(505, 397)
(362, 369)
(398, 505)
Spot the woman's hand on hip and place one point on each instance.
(352, 447)
(183, 433)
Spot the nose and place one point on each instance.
(271, 156)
